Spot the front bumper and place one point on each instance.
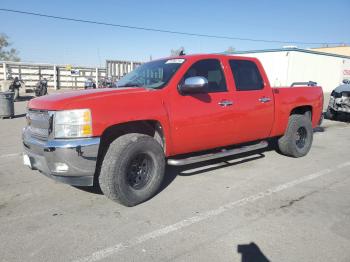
(337, 105)
(71, 161)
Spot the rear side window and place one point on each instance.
(247, 75)
(211, 70)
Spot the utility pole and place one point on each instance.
(96, 77)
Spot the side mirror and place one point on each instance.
(194, 85)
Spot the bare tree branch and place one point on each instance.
(5, 53)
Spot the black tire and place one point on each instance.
(331, 114)
(297, 140)
(132, 169)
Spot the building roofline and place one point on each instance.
(289, 50)
(325, 47)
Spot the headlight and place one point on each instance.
(73, 123)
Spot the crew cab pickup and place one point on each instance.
(175, 111)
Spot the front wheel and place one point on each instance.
(133, 169)
(297, 140)
(37, 91)
(331, 114)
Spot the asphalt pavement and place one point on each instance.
(259, 207)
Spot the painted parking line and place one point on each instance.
(112, 250)
(10, 155)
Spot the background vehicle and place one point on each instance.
(15, 85)
(339, 102)
(106, 83)
(89, 83)
(179, 111)
(41, 87)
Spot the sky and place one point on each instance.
(46, 40)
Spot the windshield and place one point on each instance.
(155, 74)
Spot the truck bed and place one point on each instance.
(288, 98)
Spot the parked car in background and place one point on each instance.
(107, 83)
(179, 111)
(89, 84)
(339, 102)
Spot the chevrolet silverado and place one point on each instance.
(175, 111)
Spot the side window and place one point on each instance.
(246, 74)
(211, 70)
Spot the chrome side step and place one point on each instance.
(222, 153)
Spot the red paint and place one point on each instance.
(197, 122)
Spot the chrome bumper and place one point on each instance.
(71, 161)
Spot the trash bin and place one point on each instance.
(6, 104)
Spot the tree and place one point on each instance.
(230, 50)
(177, 52)
(7, 53)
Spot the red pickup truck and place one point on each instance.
(177, 110)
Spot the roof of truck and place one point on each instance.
(204, 56)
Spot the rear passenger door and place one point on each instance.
(253, 101)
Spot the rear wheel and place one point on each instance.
(133, 169)
(297, 140)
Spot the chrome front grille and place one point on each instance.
(39, 123)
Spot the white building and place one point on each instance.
(288, 65)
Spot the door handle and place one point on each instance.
(225, 103)
(264, 99)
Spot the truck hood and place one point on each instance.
(342, 88)
(79, 99)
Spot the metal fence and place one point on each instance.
(64, 76)
(59, 76)
(118, 68)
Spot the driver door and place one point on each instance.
(203, 121)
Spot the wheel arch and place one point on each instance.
(306, 110)
(281, 121)
(149, 127)
(152, 128)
